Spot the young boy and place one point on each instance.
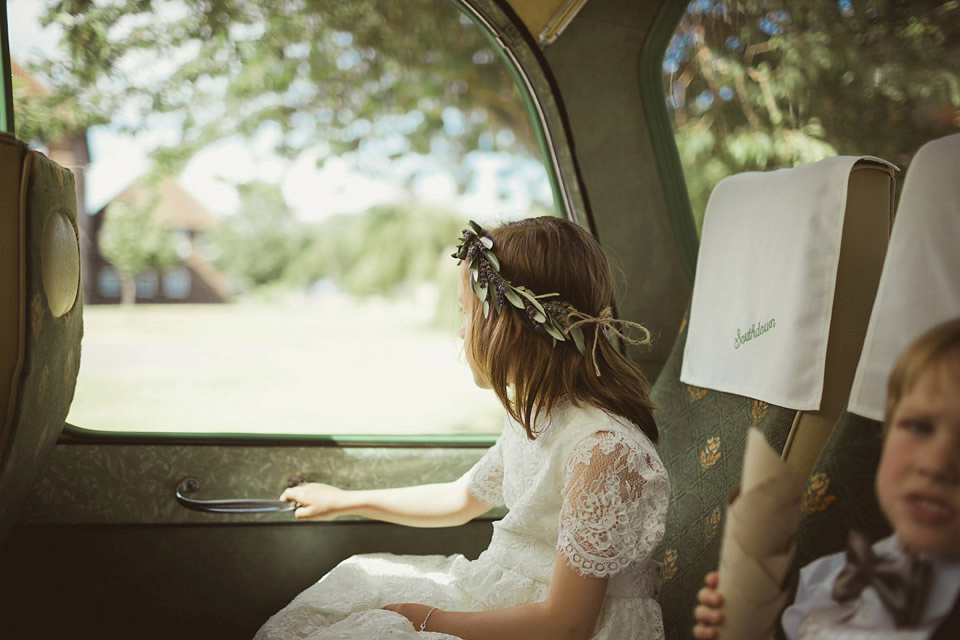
(918, 488)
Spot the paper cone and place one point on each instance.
(758, 545)
(757, 577)
(761, 614)
(762, 463)
(770, 535)
(743, 570)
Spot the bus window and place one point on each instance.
(766, 84)
(269, 199)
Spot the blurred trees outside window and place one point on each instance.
(766, 84)
(398, 91)
(367, 79)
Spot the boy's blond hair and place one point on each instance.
(937, 346)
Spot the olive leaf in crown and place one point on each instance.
(493, 290)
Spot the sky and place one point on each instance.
(313, 194)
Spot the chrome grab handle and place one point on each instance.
(241, 505)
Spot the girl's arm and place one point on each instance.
(570, 612)
(430, 505)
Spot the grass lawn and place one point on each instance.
(326, 364)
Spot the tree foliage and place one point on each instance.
(372, 253)
(133, 242)
(41, 115)
(764, 84)
(371, 78)
(385, 248)
(258, 243)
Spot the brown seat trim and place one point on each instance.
(866, 233)
(14, 169)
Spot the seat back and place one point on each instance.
(703, 430)
(40, 315)
(919, 288)
(866, 233)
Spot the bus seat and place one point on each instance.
(702, 428)
(40, 315)
(919, 288)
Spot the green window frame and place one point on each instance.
(666, 153)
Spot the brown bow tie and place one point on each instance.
(901, 580)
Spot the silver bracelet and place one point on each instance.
(423, 625)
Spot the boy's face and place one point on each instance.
(918, 480)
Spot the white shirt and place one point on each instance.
(815, 614)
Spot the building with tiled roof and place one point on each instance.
(193, 280)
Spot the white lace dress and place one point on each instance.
(590, 487)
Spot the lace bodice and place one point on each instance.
(590, 487)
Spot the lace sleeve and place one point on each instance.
(614, 507)
(485, 478)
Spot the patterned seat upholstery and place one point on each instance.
(40, 315)
(702, 439)
(840, 491)
(703, 432)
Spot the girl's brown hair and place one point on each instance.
(937, 346)
(553, 255)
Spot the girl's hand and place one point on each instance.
(316, 501)
(709, 611)
(415, 613)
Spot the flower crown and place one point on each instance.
(545, 318)
(554, 318)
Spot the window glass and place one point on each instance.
(108, 283)
(176, 283)
(269, 197)
(766, 84)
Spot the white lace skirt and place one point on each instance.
(346, 603)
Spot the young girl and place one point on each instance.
(575, 465)
(918, 488)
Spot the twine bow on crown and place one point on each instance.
(609, 324)
(554, 318)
